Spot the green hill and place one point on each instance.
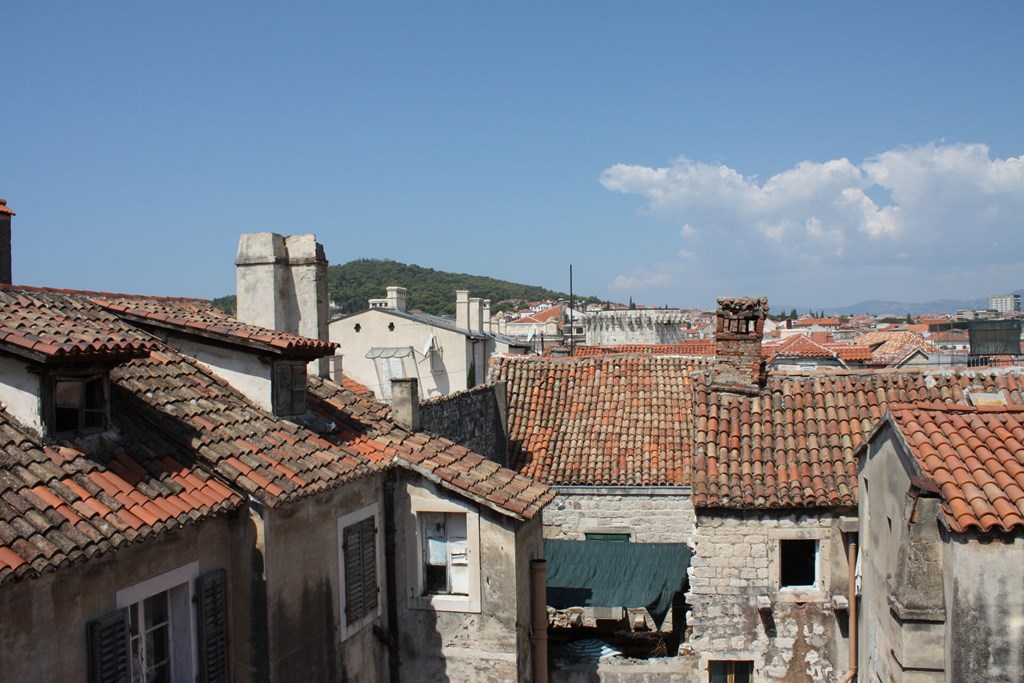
(352, 284)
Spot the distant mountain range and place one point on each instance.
(900, 308)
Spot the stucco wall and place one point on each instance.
(301, 562)
(243, 371)
(481, 644)
(443, 374)
(20, 392)
(43, 621)
(471, 418)
(984, 591)
(648, 514)
(736, 559)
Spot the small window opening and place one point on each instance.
(357, 327)
(608, 537)
(445, 556)
(289, 389)
(798, 563)
(391, 327)
(79, 404)
(731, 672)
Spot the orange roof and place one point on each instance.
(974, 456)
(807, 322)
(612, 420)
(797, 346)
(891, 346)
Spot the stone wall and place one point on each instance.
(472, 418)
(736, 559)
(648, 514)
(635, 327)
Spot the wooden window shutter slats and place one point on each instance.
(211, 592)
(108, 648)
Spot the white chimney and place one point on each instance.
(462, 309)
(475, 309)
(397, 297)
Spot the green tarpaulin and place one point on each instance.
(603, 574)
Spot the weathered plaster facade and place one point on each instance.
(484, 635)
(800, 637)
(644, 326)
(47, 614)
(936, 605)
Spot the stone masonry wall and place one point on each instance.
(471, 418)
(736, 559)
(648, 514)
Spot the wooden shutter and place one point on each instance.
(298, 389)
(354, 603)
(108, 648)
(368, 541)
(282, 389)
(211, 594)
(360, 548)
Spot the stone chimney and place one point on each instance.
(281, 284)
(738, 364)
(5, 243)
(397, 297)
(486, 315)
(462, 309)
(405, 403)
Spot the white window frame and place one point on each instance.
(414, 548)
(180, 585)
(373, 510)
(822, 572)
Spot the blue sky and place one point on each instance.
(818, 153)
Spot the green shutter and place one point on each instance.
(211, 594)
(108, 648)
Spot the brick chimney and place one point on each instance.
(738, 365)
(5, 243)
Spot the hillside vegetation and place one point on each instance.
(352, 284)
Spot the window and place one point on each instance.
(289, 388)
(78, 405)
(732, 672)
(162, 628)
(798, 563)
(360, 594)
(445, 553)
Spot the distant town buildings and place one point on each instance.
(1004, 303)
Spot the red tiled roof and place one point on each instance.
(202, 317)
(605, 420)
(50, 326)
(797, 346)
(794, 444)
(60, 505)
(975, 457)
(3, 208)
(271, 459)
(849, 352)
(687, 348)
(807, 322)
(892, 346)
(363, 425)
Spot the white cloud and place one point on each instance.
(942, 204)
(641, 281)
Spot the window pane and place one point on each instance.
(155, 609)
(65, 419)
(719, 672)
(94, 397)
(435, 579)
(68, 393)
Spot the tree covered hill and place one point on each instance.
(352, 284)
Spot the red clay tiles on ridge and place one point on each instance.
(685, 348)
(975, 456)
(202, 317)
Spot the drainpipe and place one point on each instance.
(539, 609)
(852, 673)
(390, 580)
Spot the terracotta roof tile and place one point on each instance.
(203, 318)
(4, 210)
(604, 420)
(52, 326)
(889, 347)
(686, 348)
(973, 457)
(798, 437)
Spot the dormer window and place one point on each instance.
(77, 404)
(289, 388)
